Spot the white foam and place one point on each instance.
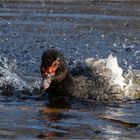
(7, 69)
(109, 67)
(9, 76)
(117, 72)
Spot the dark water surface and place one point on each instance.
(81, 30)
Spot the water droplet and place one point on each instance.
(114, 44)
(51, 10)
(124, 46)
(103, 35)
(87, 45)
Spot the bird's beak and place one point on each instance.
(45, 83)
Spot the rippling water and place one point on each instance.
(81, 30)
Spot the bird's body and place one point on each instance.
(82, 81)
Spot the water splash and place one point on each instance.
(129, 81)
(132, 89)
(117, 72)
(11, 79)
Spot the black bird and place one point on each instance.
(83, 81)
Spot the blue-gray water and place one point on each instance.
(81, 30)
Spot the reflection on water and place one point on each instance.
(65, 118)
(51, 113)
(81, 30)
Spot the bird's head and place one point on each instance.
(53, 68)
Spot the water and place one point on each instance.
(81, 30)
